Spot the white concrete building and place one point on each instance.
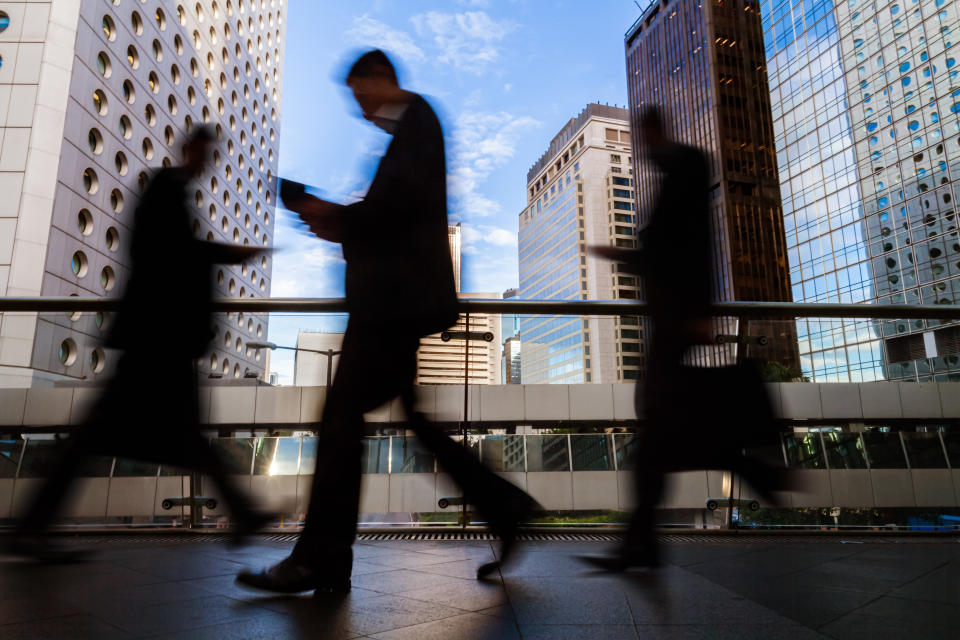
(580, 193)
(93, 95)
(310, 367)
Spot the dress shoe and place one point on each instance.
(288, 576)
(512, 507)
(623, 560)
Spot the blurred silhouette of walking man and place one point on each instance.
(682, 430)
(149, 409)
(399, 287)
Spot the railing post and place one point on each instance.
(466, 404)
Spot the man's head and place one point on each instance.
(196, 150)
(653, 133)
(373, 80)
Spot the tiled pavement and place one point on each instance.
(426, 590)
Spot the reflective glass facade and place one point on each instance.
(865, 136)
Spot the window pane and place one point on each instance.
(410, 456)
(376, 455)
(924, 450)
(884, 450)
(276, 456)
(952, 441)
(804, 452)
(236, 453)
(844, 450)
(308, 456)
(591, 452)
(547, 453)
(503, 453)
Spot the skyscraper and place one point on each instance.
(702, 63)
(580, 193)
(442, 361)
(94, 95)
(866, 132)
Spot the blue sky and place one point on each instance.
(504, 76)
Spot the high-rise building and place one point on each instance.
(94, 95)
(702, 64)
(580, 193)
(441, 361)
(866, 132)
(512, 361)
(316, 353)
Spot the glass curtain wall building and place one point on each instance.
(863, 98)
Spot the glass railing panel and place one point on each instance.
(127, 468)
(884, 449)
(591, 452)
(804, 451)
(276, 456)
(40, 457)
(408, 455)
(548, 453)
(376, 455)
(924, 450)
(844, 450)
(236, 454)
(10, 452)
(503, 452)
(626, 445)
(308, 455)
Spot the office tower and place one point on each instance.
(442, 361)
(316, 352)
(95, 95)
(865, 118)
(512, 361)
(703, 65)
(510, 322)
(580, 193)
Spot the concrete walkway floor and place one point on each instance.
(157, 588)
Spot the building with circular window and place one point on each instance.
(131, 75)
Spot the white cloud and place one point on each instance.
(476, 233)
(373, 33)
(481, 142)
(482, 4)
(468, 41)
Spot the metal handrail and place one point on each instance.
(48, 304)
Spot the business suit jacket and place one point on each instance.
(399, 273)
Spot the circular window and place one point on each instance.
(232, 287)
(226, 366)
(172, 105)
(136, 22)
(157, 51)
(191, 96)
(150, 115)
(103, 64)
(263, 262)
(100, 102)
(109, 29)
(142, 181)
(85, 222)
(188, 124)
(168, 135)
(67, 353)
(227, 340)
(95, 141)
(107, 278)
(147, 147)
(224, 224)
(79, 264)
(154, 82)
(133, 57)
(259, 331)
(90, 182)
(246, 222)
(120, 162)
(129, 93)
(175, 74)
(126, 129)
(116, 201)
(178, 45)
(113, 239)
(236, 235)
(97, 360)
(98, 319)
(238, 345)
(263, 285)
(161, 19)
(243, 292)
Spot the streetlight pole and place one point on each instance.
(326, 352)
